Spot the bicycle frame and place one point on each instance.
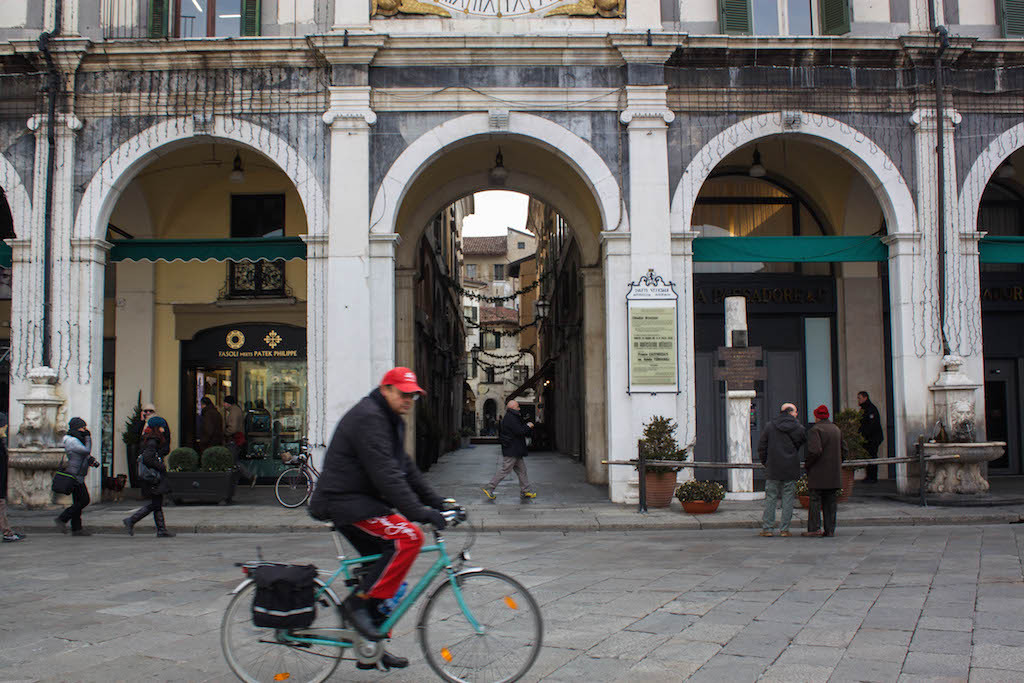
(443, 563)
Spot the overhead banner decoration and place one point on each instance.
(652, 326)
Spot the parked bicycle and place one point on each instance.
(295, 485)
(476, 625)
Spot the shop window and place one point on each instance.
(204, 18)
(256, 215)
(499, 271)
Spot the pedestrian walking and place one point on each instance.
(871, 430)
(779, 450)
(77, 445)
(512, 434)
(211, 425)
(155, 446)
(9, 535)
(826, 451)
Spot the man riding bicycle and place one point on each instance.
(366, 477)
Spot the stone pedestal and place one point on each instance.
(35, 455)
(737, 416)
(30, 472)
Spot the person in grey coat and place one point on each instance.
(77, 444)
(779, 450)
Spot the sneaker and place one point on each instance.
(357, 612)
(387, 662)
(12, 537)
(528, 495)
(62, 526)
(785, 534)
(491, 495)
(765, 532)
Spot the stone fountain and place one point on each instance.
(953, 396)
(37, 452)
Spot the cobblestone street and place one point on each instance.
(873, 604)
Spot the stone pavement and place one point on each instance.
(935, 603)
(565, 503)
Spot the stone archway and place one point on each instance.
(18, 199)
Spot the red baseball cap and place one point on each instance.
(402, 379)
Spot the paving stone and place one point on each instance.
(711, 632)
(812, 655)
(865, 670)
(941, 642)
(931, 664)
(627, 645)
(995, 656)
(663, 622)
(678, 649)
(787, 673)
(586, 668)
(998, 637)
(733, 668)
(899, 618)
(756, 646)
(983, 675)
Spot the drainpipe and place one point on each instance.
(940, 171)
(52, 89)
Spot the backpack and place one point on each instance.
(284, 596)
(147, 473)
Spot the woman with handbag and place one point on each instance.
(155, 446)
(77, 444)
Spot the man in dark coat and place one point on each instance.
(211, 426)
(825, 453)
(871, 430)
(779, 450)
(367, 476)
(512, 434)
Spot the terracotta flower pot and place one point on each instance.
(848, 474)
(805, 501)
(700, 507)
(661, 486)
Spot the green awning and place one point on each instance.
(5, 255)
(226, 249)
(1000, 249)
(790, 249)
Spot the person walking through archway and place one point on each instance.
(871, 430)
(155, 446)
(512, 433)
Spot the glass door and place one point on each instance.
(212, 381)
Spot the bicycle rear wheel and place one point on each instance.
(257, 654)
(500, 647)
(292, 487)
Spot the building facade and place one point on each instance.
(203, 203)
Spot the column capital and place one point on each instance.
(383, 245)
(89, 249)
(316, 245)
(647, 105)
(21, 249)
(67, 121)
(615, 243)
(349, 107)
(902, 243)
(924, 118)
(682, 242)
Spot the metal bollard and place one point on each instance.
(921, 474)
(642, 469)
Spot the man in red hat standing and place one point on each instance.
(371, 489)
(825, 452)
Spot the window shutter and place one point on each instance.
(734, 16)
(835, 17)
(159, 17)
(251, 17)
(1012, 17)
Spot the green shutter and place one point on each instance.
(734, 16)
(835, 17)
(1012, 17)
(251, 17)
(159, 18)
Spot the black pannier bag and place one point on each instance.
(284, 596)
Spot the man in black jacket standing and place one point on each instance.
(512, 434)
(871, 430)
(779, 449)
(367, 476)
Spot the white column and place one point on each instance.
(967, 310)
(26, 320)
(643, 14)
(133, 358)
(622, 433)
(350, 303)
(382, 284)
(405, 335)
(647, 117)
(737, 412)
(596, 447)
(682, 275)
(319, 422)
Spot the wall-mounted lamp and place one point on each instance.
(757, 169)
(475, 354)
(541, 308)
(237, 173)
(499, 174)
(1006, 170)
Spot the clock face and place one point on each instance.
(498, 8)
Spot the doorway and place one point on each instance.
(1002, 411)
(214, 381)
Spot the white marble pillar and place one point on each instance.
(319, 423)
(737, 412)
(133, 357)
(682, 275)
(382, 284)
(596, 446)
(622, 430)
(405, 334)
(350, 302)
(26, 321)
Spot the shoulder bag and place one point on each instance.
(63, 483)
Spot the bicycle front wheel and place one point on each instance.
(481, 626)
(292, 487)
(258, 654)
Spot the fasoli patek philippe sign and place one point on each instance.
(652, 329)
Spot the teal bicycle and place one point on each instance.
(477, 625)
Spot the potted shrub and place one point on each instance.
(700, 497)
(659, 443)
(131, 436)
(803, 493)
(465, 436)
(207, 479)
(848, 421)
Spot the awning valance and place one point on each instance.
(5, 255)
(1000, 249)
(225, 249)
(821, 249)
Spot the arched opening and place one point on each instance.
(820, 319)
(206, 297)
(512, 303)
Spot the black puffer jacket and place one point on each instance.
(153, 452)
(366, 471)
(779, 447)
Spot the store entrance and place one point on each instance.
(206, 380)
